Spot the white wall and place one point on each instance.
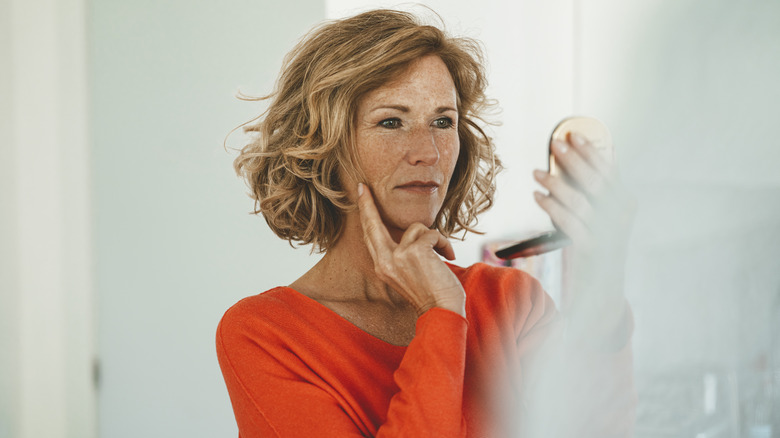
(174, 245)
(45, 300)
(9, 296)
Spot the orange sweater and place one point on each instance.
(294, 368)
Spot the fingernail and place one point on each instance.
(540, 174)
(538, 196)
(560, 147)
(360, 189)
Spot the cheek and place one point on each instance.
(449, 151)
(375, 158)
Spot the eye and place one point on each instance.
(443, 123)
(390, 123)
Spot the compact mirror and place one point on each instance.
(598, 135)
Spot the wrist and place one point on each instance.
(453, 304)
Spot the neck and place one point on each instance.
(346, 271)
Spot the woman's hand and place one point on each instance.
(588, 203)
(411, 267)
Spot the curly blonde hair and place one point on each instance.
(305, 139)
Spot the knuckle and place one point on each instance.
(417, 227)
(409, 254)
(370, 226)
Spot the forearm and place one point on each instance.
(430, 380)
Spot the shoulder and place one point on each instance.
(272, 330)
(259, 317)
(504, 293)
(272, 303)
(483, 271)
(498, 281)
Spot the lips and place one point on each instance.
(419, 186)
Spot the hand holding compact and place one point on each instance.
(587, 202)
(411, 267)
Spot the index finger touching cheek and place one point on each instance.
(366, 204)
(373, 227)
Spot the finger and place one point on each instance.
(374, 231)
(571, 198)
(577, 168)
(419, 233)
(595, 157)
(565, 220)
(444, 247)
(412, 234)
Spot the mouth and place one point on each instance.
(423, 187)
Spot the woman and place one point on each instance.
(370, 151)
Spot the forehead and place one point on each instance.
(425, 79)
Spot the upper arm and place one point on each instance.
(269, 393)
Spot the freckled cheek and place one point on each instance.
(448, 157)
(377, 170)
(377, 159)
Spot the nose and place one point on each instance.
(422, 148)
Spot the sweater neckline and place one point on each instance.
(353, 330)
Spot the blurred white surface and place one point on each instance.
(46, 291)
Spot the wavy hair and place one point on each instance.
(305, 139)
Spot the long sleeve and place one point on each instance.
(430, 378)
(289, 376)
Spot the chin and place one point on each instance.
(404, 223)
(404, 213)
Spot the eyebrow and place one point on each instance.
(405, 109)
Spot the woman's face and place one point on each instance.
(407, 142)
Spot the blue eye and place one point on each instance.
(390, 123)
(444, 122)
